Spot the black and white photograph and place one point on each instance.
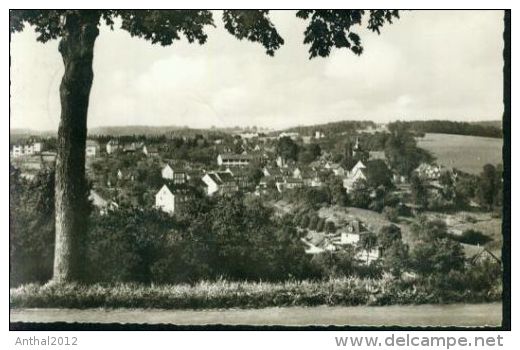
(246, 169)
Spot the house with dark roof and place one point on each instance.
(169, 199)
(151, 151)
(288, 183)
(241, 176)
(130, 148)
(176, 175)
(221, 182)
(112, 146)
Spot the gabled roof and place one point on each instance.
(225, 177)
(273, 171)
(474, 252)
(335, 166)
(175, 189)
(221, 177)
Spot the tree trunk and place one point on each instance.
(77, 49)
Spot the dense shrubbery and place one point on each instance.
(209, 239)
(472, 237)
(31, 227)
(311, 197)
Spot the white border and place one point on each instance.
(228, 340)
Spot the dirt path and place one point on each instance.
(412, 315)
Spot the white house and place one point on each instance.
(292, 135)
(231, 159)
(249, 135)
(92, 149)
(282, 162)
(358, 173)
(112, 146)
(178, 177)
(318, 134)
(349, 238)
(37, 147)
(150, 151)
(428, 171)
(167, 172)
(336, 168)
(359, 165)
(297, 173)
(28, 150)
(17, 151)
(222, 182)
(165, 200)
(288, 183)
(100, 203)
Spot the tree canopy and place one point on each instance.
(326, 29)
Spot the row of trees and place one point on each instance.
(455, 128)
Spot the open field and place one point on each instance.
(479, 221)
(465, 315)
(466, 153)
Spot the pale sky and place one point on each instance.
(427, 65)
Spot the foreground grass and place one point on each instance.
(226, 294)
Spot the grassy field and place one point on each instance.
(479, 221)
(466, 153)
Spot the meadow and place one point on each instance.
(466, 153)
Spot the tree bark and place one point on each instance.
(71, 193)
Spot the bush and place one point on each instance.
(31, 227)
(330, 227)
(320, 225)
(473, 237)
(391, 214)
(304, 223)
(313, 222)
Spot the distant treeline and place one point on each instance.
(484, 129)
(348, 126)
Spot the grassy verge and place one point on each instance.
(225, 294)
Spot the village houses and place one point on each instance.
(26, 149)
